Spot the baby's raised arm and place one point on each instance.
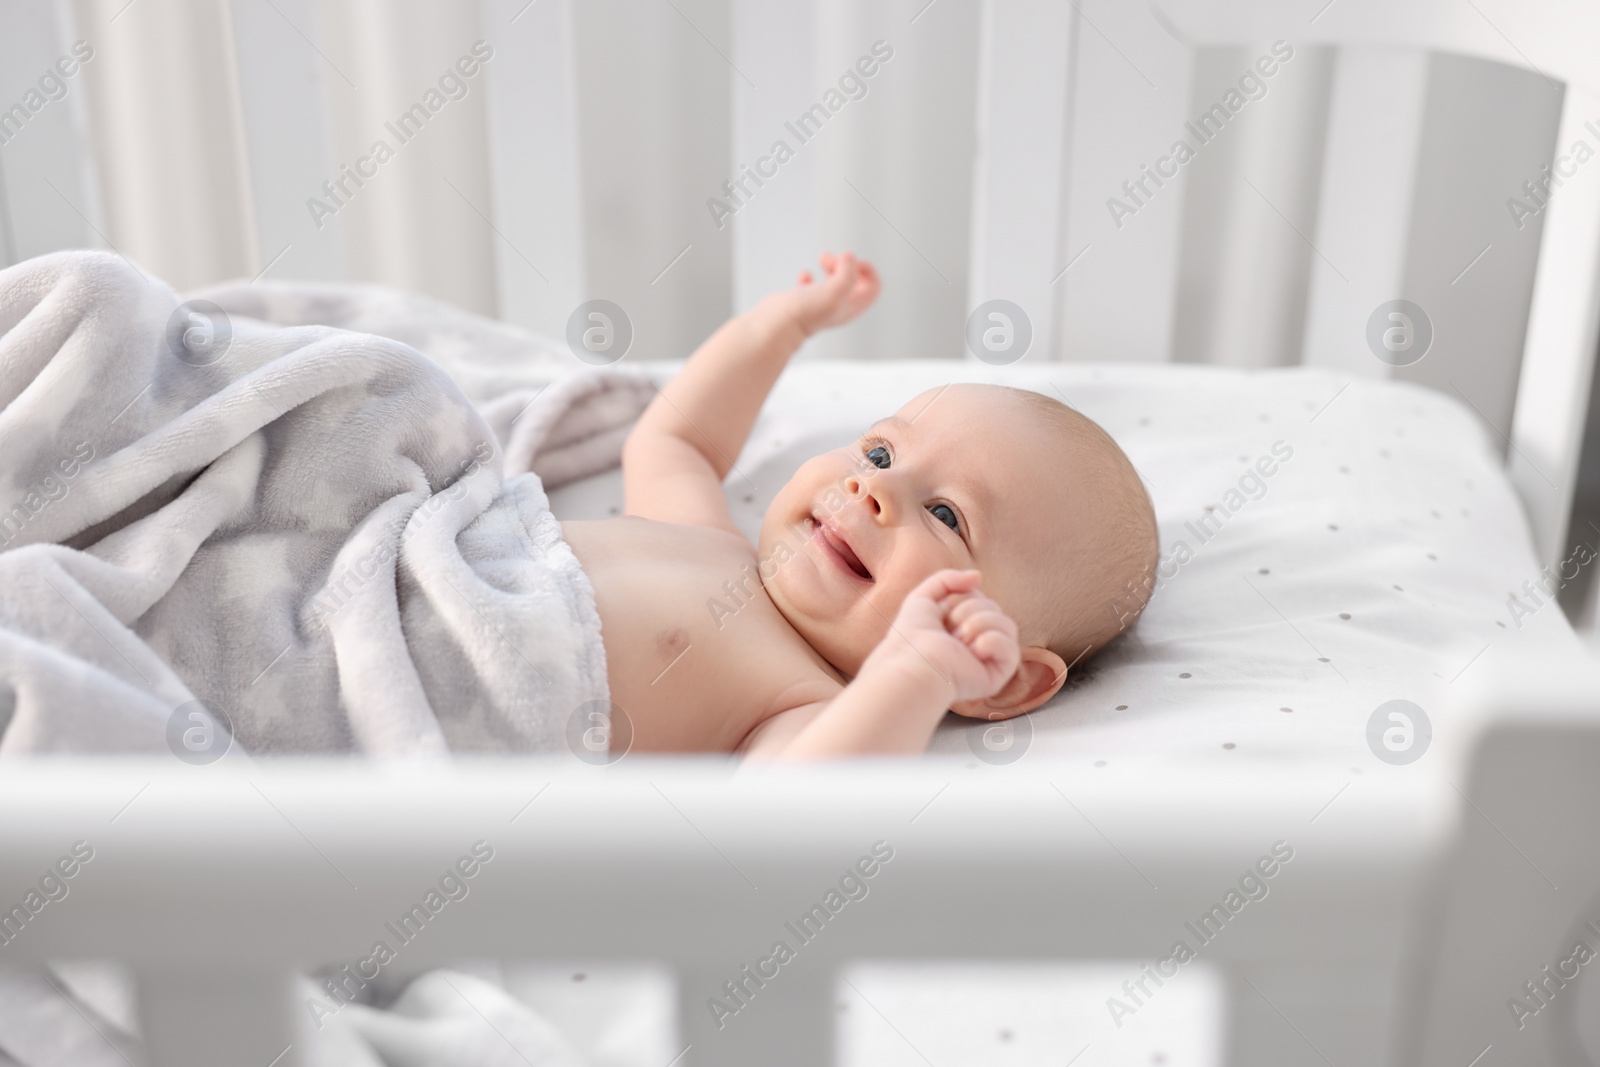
(685, 443)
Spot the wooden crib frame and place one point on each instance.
(659, 860)
(1412, 911)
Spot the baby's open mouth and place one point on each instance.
(831, 539)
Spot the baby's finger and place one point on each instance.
(997, 650)
(962, 607)
(987, 622)
(827, 260)
(845, 272)
(941, 584)
(869, 275)
(805, 277)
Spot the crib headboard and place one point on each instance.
(1223, 181)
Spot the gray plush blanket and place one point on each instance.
(306, 532)
(262, 505)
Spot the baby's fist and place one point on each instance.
(957, 631)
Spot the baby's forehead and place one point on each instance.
(980, 422)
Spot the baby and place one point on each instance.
(861, 620)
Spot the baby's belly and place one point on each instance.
(696, 654)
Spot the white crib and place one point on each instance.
(578, 163)
(584, 158)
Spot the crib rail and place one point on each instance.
(1408, 908)
(215, 885)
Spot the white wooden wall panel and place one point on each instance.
(1129, 103)
(1363, 215)
(423, 221)
(896, 180)
(1025, 57)
(777, 220)
(534, 165)
(653, 128)
(51, 147)
(165, 127)
(283, 102)
(1252, 202)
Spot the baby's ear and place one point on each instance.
(1038, 677)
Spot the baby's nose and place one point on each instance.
(858, 490)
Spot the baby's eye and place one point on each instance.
(878, 456)
(945, 514)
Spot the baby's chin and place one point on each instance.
(794, 586)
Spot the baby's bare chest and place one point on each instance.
(696, 654)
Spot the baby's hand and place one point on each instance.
(848, 287)
(945, 623)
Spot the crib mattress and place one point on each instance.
(1328, 545)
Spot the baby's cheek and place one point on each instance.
(868, 628)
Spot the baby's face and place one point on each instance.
(963, 477)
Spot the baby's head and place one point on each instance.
(1005, 481)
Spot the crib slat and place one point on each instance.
(534, 162)
(1363, 212)
(1024, 64)
(1553, 392)
(48, 147)
(288, 153)
(788, 1022)
(192, 1019)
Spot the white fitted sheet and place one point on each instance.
(1377, 565)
